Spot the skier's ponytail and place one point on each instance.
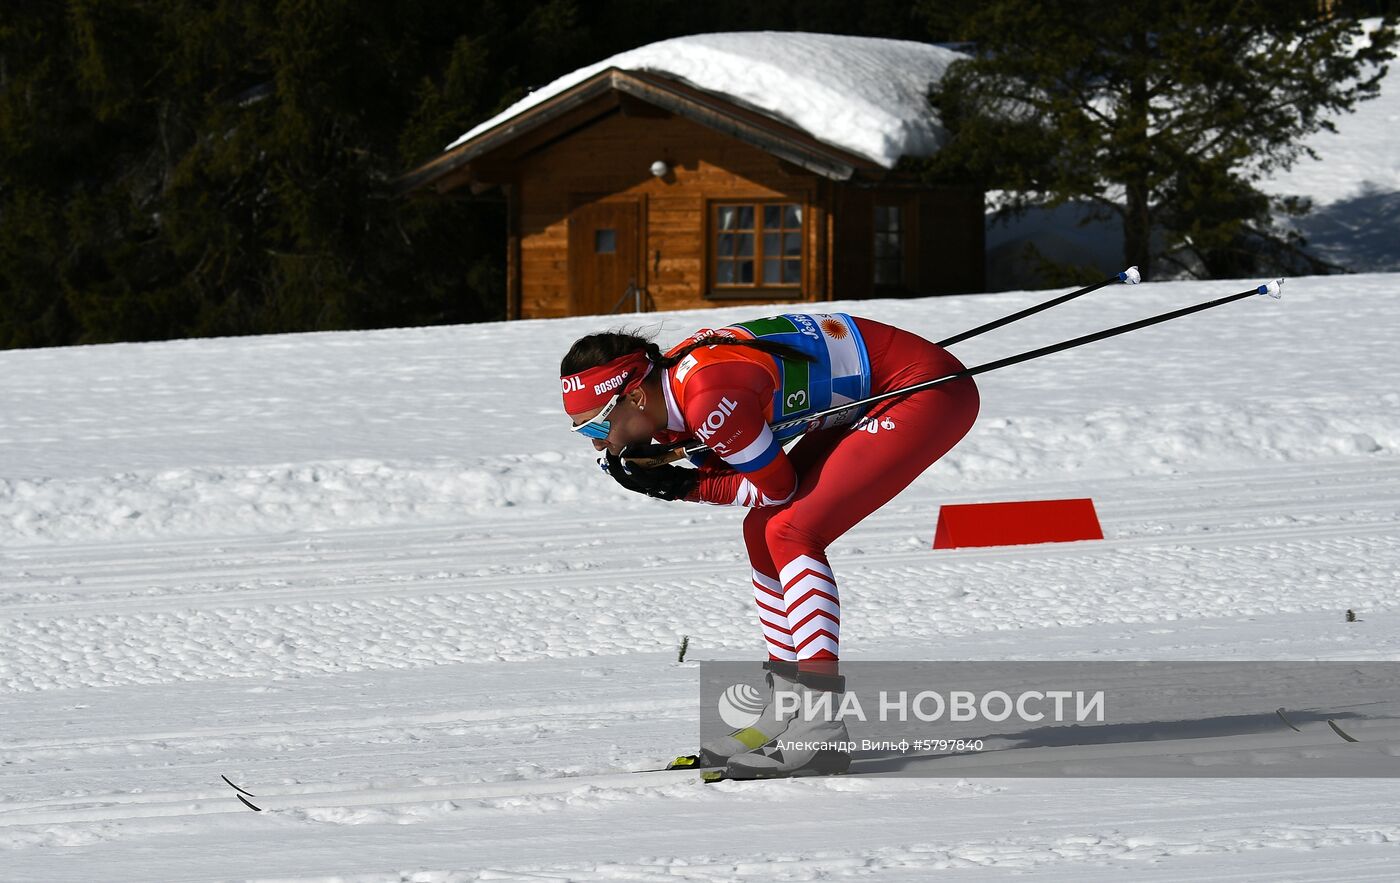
(599, 349)
(772, 347)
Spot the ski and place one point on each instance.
(241, 792)
(715, 773)
(722, 774)
(1331, 723)
(284, 799)
(248, 803)
(683, 763)
(1340, 732)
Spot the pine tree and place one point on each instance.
(180, 168)
(1164, 116)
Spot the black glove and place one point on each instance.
(663, 482)
(637, 456)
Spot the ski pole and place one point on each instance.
(654, 457)
(1271, 289)
(1130, 276)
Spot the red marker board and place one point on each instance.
(1016, 523)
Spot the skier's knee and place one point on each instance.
(783, 532)
(756, 525)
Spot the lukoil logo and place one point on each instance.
(573, 384)
(740, 705)
(716, 418)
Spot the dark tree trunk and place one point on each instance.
(1137, 217)
(1137, 227)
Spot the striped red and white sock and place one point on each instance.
(768, 595)
(813, 608)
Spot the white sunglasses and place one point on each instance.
(599, 427)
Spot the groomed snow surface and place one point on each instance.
(372, 579)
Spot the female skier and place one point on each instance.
(723, 387)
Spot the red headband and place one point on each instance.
(592, 388)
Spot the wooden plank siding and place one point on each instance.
(512, 253)
(610, 160)
(952, 241)
(944, 241)
(854, 239)
(596, 142)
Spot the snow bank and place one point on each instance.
(237, 501)
(863, 94)
(325, 431)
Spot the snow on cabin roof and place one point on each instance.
(862, 94)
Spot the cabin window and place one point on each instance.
(604, 241)
(757, 245)
(889, 245)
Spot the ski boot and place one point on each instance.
(806, 747)
(782, 676)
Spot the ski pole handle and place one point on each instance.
(652, 456)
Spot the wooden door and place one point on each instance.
(603, 255)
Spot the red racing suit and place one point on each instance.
(805, 498)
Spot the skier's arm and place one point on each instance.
(726, 409)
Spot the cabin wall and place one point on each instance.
(952, 241)
(853, 239)
(610, 160)
(944, 241)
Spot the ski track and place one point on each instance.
(381, 600)
(281, 629)
(777, 826)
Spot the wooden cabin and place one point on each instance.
(634, 190)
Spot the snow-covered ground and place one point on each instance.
(372, 579)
